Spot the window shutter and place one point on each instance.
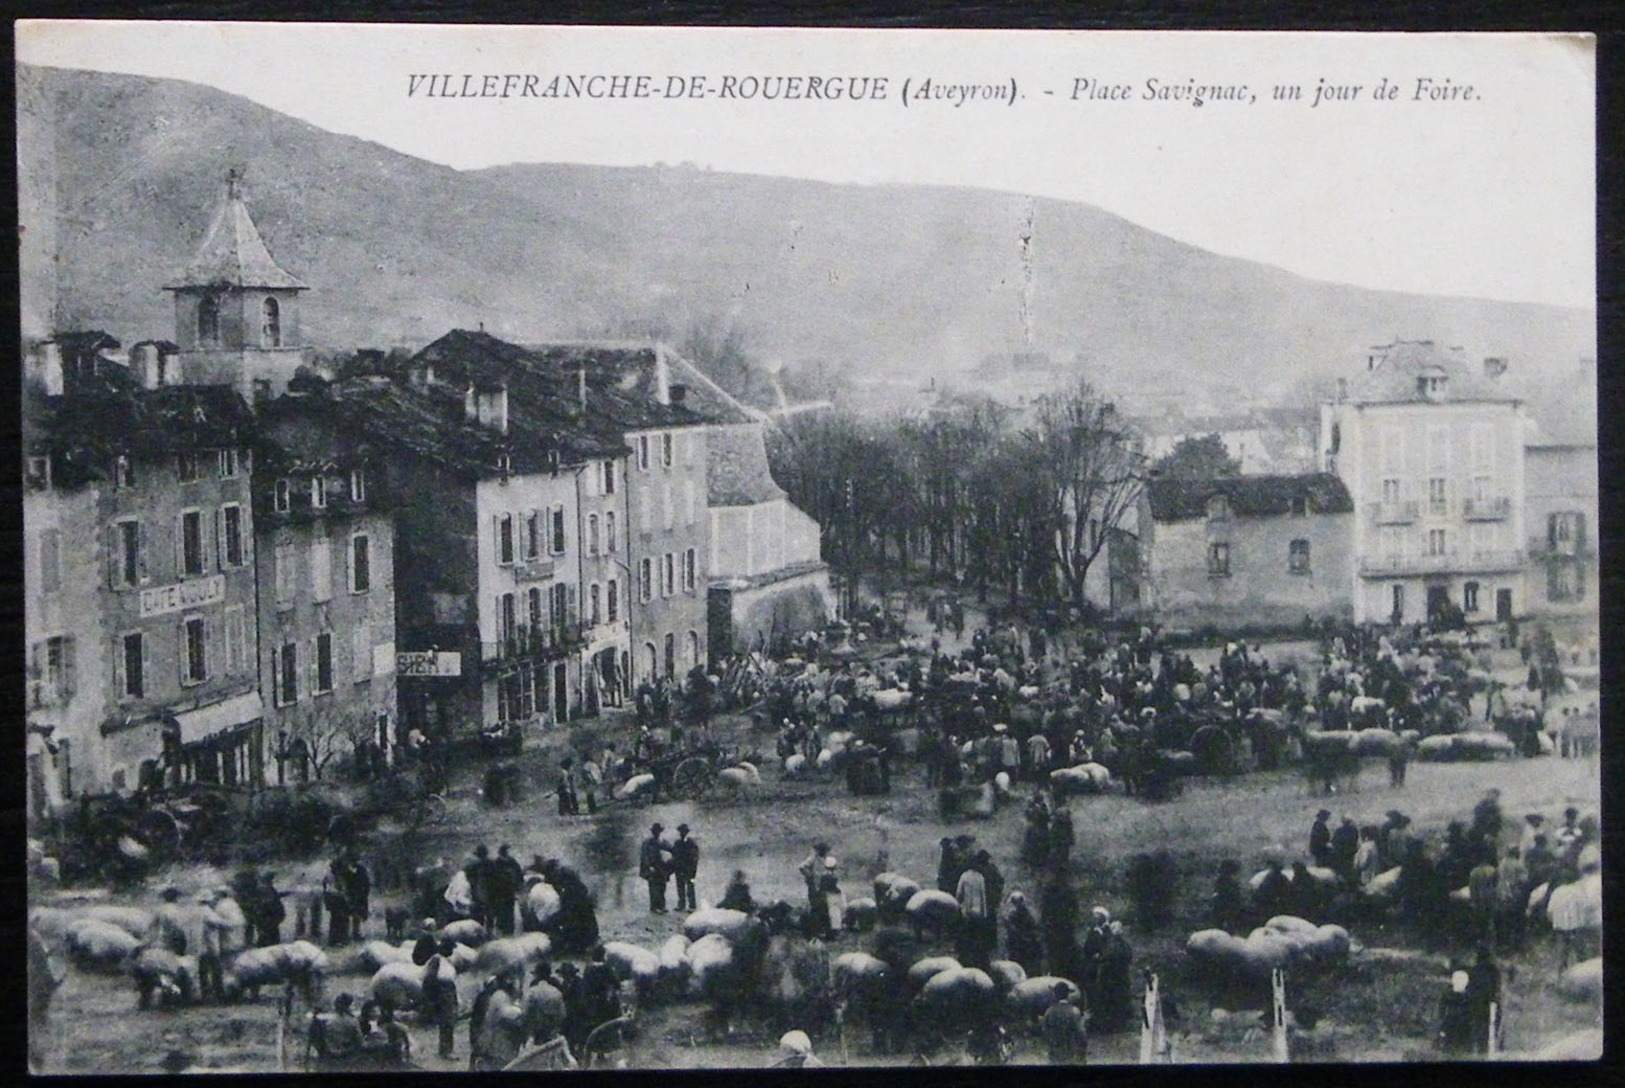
(219, 540)
(571, 607)
(180, 546)
(121, 683)
(115, 556)
(1551, 532)
(143, 545)
(181, 658)
(68, 657)
(276, 676)
(146, 664)
(1579, 527)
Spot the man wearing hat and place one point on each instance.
(168, 927)
(654, 867)
(1063, 1029)
(685, 865)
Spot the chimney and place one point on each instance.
(147, 365)
(679, 394)
(1494, 367)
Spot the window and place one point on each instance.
(1390, 491)
(1436, 542)
(533, 535)
(194, 653)
(611, 544)
(665, 450)
(668, 574)
(231, 536)
(1337, 439)
(286, 573)
(191, 543)
(609, 477)
(284, 496)
(694, 648)
(671, 655)
(1300, 506)
(135, 672)
(1438, 495)
(556, 544)
(1298, 557)
(123, 473)
(651, 655)
(50, 560)
(505, 463)
(360, 563)
(1565, 532)
(645, 580)
(538, 619)
(285, 674)
(527, 690)
(127, 553)
(1565, 581)
(226, 462)
(592, 534)
(187, 467)
(358, 485)
(271, 323)
(55, 657)
(324, 664)
(643, 451)
(321, 569)
(612, 600)
(558, 605)
(318, 493)
(690, 561)
(1218, 559)
(208, 319)
(505, 539)
(1469, 597)
(594, 613)
(1398, 611)
(507, 621)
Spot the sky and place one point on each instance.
(1434, 188)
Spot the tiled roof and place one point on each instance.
(736, 472)
(1249, 496)
(431, 424)
(233, 255)
(1400, 366)
(84, 432)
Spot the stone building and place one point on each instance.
(142, 528)
(1431, 449)
(1561, 499)
(1247, 550)
(324, 556)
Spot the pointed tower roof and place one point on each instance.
(233, 254)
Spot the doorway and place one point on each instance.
(1503, 605)
(561, 693)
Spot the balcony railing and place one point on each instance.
(527, 643)
(1393, 513)
(1447, 563)
(1486, 509)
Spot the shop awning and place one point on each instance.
(206, 721)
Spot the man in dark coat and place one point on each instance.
(685, 865)
(504, 884)
(1273, 895)
(1456, 1034)
(949, 866)
(1058, 914)
(984, 864)
(1345, 844)
(575, 927)
(1063, 1029)
(1023, 942)
(1060, 838)
(654, 868)
(1229, 905)
(1320, 839)
(479, 871)
(1113, 982)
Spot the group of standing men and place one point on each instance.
(659, 861)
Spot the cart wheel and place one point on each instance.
(159, 832)
(691, 778)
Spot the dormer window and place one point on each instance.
(123, 473)
(318, 493)
(1431, 384)
(187, 468)
(358, 485)
(504, 464)
(284, 496)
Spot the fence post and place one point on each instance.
(1278, 1015)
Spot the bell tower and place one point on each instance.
(236, 309)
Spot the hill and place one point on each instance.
(883, 278)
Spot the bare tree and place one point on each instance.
(1097, 468)
(326, 736)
